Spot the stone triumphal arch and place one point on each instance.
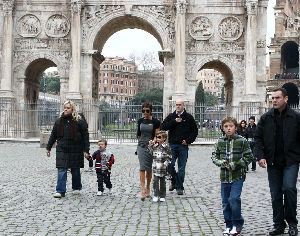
(228, 36)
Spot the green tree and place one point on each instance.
(155, 96)
(49, 84)
(200, 97)
(204, 97)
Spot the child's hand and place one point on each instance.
(166, 163)
(225, 164)
(151, 142)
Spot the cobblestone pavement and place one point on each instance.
(27, 206)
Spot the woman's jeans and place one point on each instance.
(62, 179)
(282, 183)
(231, 202)
(179, 153)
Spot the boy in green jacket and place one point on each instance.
(232, 154)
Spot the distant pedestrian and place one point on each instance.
(183, 131)
(241, 129)
(161, 153)
(232, 154)
(250, 131)
(71, 134)
(147, 127)
(277, 147)
(104, 161)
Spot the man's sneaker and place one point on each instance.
(155, 199)
(226, 231)
(172, 187)
(293, 230)
(277, 231)
(99, 193)
(76, 191)
(58, 195)
(162, 199)
(180, 192)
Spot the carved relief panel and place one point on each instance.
(57, 26)
(28, 26)
(201, 28)
(230, 28)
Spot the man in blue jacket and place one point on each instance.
(183, 131)
(277, 147)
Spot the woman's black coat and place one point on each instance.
(72, 140)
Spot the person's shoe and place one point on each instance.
(76, 191)
(233, 231)
(277, 231)
(171, 187)
(109, 191)
(226, 231)
(293, 230)
(99, 193)
(179, 192)
(253, 169)
(162, 199)
(59, 195)
(90, 169)
(155, 199)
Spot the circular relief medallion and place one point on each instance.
(28, 26)
(230, 28)
(57, 26)
(201, 28)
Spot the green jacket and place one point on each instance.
(232, 156)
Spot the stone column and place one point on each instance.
(74, 81)
(181, 6)
(6, 76)
(251, 42)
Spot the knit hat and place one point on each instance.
(252, 118)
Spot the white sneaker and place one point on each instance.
(155, 199)
(226, 231)
(162, 199)
(58, 195)
(233, 231)
(99, 193)
(76, 191)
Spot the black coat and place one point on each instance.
(265, 137)
(72, 140)
(178, 131)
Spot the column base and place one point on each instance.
(74, 96)
(6, 94)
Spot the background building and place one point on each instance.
(212, 81)
(150, 79)
(117, 80)
(284, 50)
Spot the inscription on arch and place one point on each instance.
(28, 26)
(201, 28)
(230, 28)
(57, 26)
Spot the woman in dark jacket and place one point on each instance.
(71, 134)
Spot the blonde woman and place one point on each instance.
(71, 133)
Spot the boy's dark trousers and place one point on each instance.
(91, 163)
(159, 186)
(103, 176)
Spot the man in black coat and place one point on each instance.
(183, 131)
(277, 147)
(70, 132)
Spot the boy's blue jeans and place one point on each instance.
(62, 179)
(231, 202)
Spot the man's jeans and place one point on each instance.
(231, 202)
(282, 182)
(62, 179)
(180, 152)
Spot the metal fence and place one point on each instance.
(116, 121)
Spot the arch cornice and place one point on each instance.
(21, 68)
(159, 27)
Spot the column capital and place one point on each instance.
(76, 6)
(8, 6)
(181, 6)
(251, 7)
(165, 54)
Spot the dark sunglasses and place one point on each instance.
(159, 137)
(146, 110)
